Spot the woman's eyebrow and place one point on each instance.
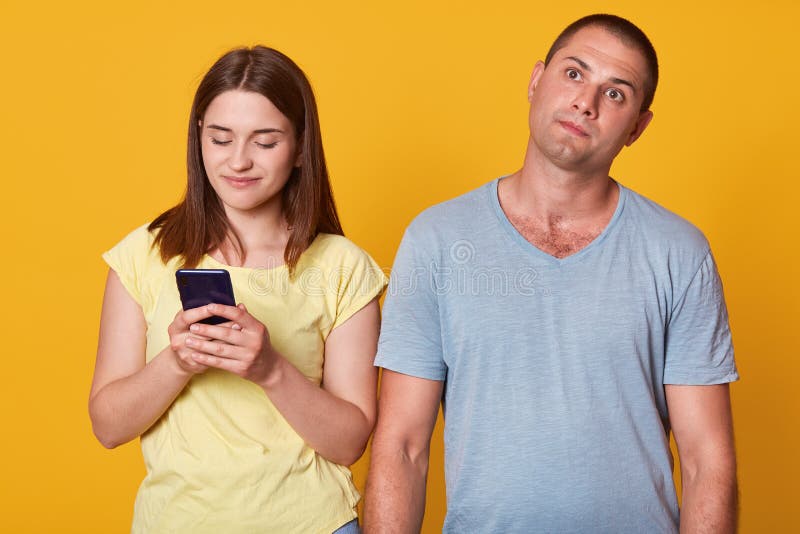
(259, 131)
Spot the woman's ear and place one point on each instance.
(298, 161)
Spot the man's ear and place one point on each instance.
(538, 69)
(641, 123)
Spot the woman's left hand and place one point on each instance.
(243, 349)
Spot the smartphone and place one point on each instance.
(199, 287)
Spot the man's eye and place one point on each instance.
(615, 94)
(219, 141)
(573, 74)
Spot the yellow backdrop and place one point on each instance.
(419, 102)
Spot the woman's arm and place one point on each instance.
(127, 396)
(336, 419)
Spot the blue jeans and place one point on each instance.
(349, 528)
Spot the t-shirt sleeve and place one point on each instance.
(411, 339)
(360, 281)
(699, 350)
(128, 259)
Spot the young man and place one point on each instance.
(567, 324)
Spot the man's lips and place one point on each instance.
(574, 128)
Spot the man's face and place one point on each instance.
(585, 106)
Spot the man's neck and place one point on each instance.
(545, 191)
(558, 211)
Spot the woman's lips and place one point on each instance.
(241, 182)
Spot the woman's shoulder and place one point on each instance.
(336, 254)
(136, 249)
(333, 248)
(138, 265)
(140, 239)
(347, 275)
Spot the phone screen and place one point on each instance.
(199, 287)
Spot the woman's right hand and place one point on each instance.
(130, 393)
(178, 332)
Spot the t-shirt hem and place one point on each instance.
(123, 277)
(692, 379)
(359, 304)
(428, 374)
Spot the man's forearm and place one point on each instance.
(710, 501)
(395, 496)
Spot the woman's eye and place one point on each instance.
(573, 74)
(219, 141)
(615, 94)
(266, 145)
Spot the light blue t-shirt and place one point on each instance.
(554, 369)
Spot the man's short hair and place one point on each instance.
(627, 32)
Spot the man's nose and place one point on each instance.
(585, 102)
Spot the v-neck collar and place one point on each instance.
(532, 249)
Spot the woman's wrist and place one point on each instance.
(174, 365)
(275, 372)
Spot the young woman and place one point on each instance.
(246, 426)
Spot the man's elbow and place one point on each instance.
(718, 469)
(391, 448)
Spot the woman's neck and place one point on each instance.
(263, 234)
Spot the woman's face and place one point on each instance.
(249, 150)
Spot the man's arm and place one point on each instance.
(395, 496)
(703, 428)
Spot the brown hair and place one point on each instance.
(198, 224)
(624, 30)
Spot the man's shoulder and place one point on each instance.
(455, 214)
(661, 225)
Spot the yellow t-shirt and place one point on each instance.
(222, 458)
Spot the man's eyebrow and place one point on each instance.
(620, 81)
(585, 66)
(260, 131)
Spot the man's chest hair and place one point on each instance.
(556, 236)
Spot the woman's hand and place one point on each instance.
(241, 347)
(334, 418)
(129, 394)
(179, 332)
